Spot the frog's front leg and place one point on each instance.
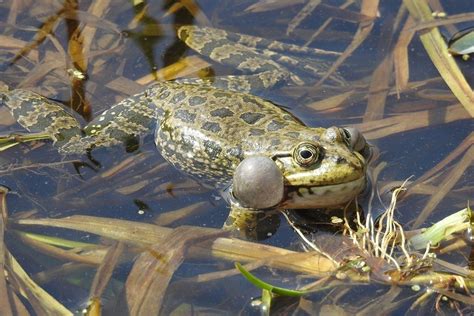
(251, 224)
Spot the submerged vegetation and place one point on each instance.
(127, 234)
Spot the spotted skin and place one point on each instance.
(206, 130)
(39, 114)
(271, 61)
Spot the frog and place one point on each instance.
(260, 156)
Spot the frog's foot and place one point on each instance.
(251, 224)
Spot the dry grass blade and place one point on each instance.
(114, 173)
(188, 66)
(94, 308)
(147, 282)
(127, 231)
(445, 187)
(378, 90)
(454, 268)
(454, 246)
(40, 71)
(60, 271)
(402, 68)
(326, 23)
(303, 14)
(97, 9)
(467, 299)
(124, 85)
(40, 36)
(384, 304)
(146, 235)
(79, 62)
(10, 43)
(104, 272)
(15, 8)
(381, 77)
(168, 218)
(448, 21)
(3, 209)
(196, 12)
(437, 7)
(14, 168)
(42, 302)
(332, 102)
(269, 5)
(93, 17)
(90, 258)
(135, 187)
(370, 9)
(466, 143)
(409, 121)
(75, 42)
(438, 52)
(5, 308)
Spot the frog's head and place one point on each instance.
(311, 174)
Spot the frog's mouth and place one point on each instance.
(299, 197)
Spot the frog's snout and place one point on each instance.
(258, 183)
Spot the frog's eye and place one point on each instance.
(306, 154)
(353, 138)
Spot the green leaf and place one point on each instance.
(266, 286)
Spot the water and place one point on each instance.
(126, 48)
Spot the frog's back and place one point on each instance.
(206, 131)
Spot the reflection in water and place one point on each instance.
(76, 51)
(76, 61)
(146, 33)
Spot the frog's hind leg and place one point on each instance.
(256, 84)
(252, 54)
(251, 224)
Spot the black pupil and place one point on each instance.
(306, 154)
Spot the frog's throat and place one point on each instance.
(322, 196)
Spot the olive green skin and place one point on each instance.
(207, 132)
